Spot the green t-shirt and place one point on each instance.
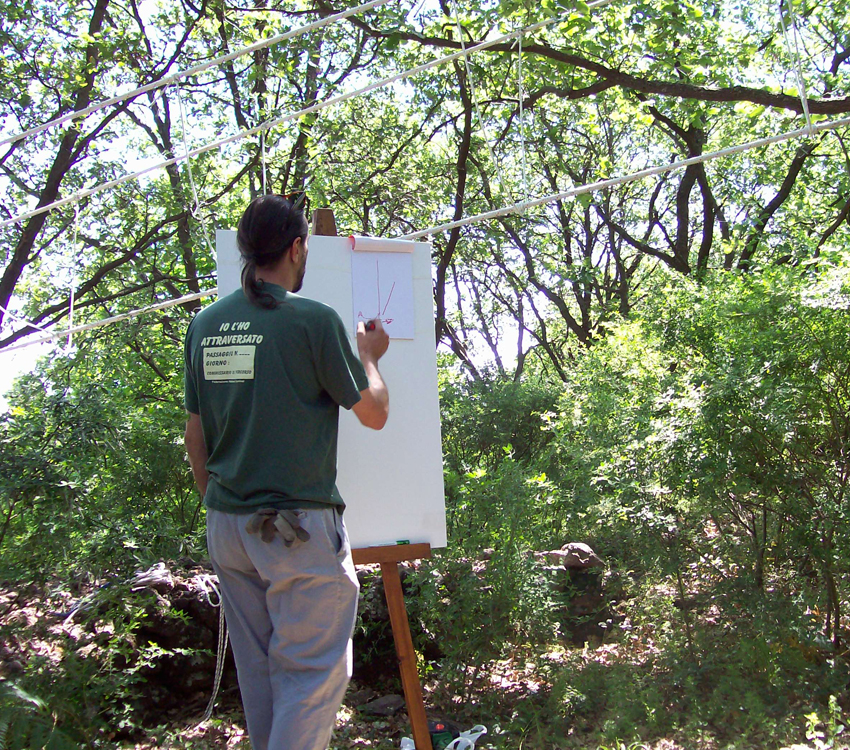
(268, 385)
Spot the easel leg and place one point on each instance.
(406, 656)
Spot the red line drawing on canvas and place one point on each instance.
(381, 311)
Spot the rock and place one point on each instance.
(357, 698)
(578, 583)
(578, 555)
(551, 557)
(386, 705)
(574, 555)
(586, 606)
(158, 578)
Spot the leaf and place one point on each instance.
(393, 41)
(12, 690)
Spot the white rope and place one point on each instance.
(195, 70)
(262, 143)
(108, 321)
(263, 154)
(613, 182)
(20, 319)
(197, 213)
(73, 275)
(795, 60)
(286, 118)
(521, 95)
(471, 80)
(221, 650)
(70, 317)
(208, 586)
(262, 140)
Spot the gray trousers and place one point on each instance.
(290, 612)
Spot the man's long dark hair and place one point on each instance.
(266, 231)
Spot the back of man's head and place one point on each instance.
(266, 231)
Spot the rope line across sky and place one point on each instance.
(289, 117)
(179, 75)
(592, 187)
(108, 321)
(498, 213)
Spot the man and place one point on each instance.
(266, 373)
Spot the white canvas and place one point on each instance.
(228, 262)
(391, 480)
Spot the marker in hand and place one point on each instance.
(372, 339)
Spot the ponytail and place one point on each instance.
(266, 231)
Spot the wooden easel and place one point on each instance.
(389, 557)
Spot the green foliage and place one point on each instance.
(765, 420)
(728, 407)
(498, 499)
(825, 733)
(92, 668)
(92, 471)
(26, 723)
(628, 387)
(497, 459)
(700, 448)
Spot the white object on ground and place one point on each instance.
(465, 741)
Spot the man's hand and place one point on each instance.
(374, 406)
(372, 342)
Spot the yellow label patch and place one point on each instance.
(229, 362)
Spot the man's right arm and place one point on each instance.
(373, 408)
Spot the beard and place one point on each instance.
(300, 279)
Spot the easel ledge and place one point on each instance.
(394, 553)
(389, 557)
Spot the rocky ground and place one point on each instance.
(130, 664)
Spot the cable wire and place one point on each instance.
(262, 144)
(73, 275)
(475, 103)
(20, 319)
(520, 96)
(516, 208)
(197, 213)
(795, 61)
(263, 151)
